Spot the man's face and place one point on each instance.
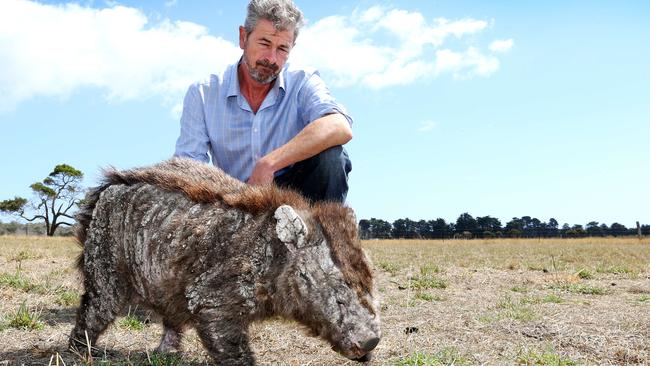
(266, 50)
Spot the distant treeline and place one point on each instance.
(17, 228)
(465, 227)
(468, 227)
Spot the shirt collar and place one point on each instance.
(233, 87)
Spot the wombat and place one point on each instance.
(205, 250)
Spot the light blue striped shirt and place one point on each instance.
(218, 120)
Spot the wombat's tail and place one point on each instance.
(84, 216)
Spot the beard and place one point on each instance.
(263, 71)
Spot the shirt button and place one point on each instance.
(254, 129)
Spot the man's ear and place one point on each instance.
(242, 37)
(291, 229)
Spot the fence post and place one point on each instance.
(638, 230)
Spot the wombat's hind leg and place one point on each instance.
(96, 312)
(171, 340)
(225, 339)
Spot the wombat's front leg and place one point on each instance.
(225, 338)
(99, 306)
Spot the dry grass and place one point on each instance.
(627, 256)
(492, 302)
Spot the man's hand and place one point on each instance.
(262, 174)
(323, 133)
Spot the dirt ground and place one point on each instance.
(443, 303)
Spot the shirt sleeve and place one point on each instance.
(193, 141)
(316, 101)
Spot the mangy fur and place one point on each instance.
(201, 248)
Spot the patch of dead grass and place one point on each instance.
(421, 322)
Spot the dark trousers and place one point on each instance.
(323, 177)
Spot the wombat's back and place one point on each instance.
(199, 182)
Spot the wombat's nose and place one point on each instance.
(370, 344)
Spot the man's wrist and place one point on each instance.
(267, 163)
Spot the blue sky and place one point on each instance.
(493, 108)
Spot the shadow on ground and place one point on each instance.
(56, 316)
(35, 356)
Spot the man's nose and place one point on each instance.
(272, 56)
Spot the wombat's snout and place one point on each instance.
(370, 344)
(367, 346)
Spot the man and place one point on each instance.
(262, 121)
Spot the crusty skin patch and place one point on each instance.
(205, 184)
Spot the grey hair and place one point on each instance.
(284, 14)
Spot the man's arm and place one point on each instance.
(193, 141)
(321, 134)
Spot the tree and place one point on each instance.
(424, 229)
(440, 229)
(488, 235)
(565, 229)
(552, 227)
(379, 229)
(11, 227)
(593, 229)
(645, 229)
(577, 231)
(465, 222)
(535, 227)
(55, 196)
(488, 226)
(514, 228)
(364, 229)
(405, 228)
(604, 229)
(37, 229)
(618, 229)
(529, 226)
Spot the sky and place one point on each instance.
(500, 108)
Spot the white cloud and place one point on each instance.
(465, 65)
(372, 14)
(55, 50)
(426, 126)
(503, 45)
(382, 47)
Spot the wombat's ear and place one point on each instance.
(291, 229)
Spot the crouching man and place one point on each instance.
(262, 121)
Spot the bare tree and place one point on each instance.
(54, 198)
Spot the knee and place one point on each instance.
(322, 177)
(333, 160)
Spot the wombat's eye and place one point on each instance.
(304, 276)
